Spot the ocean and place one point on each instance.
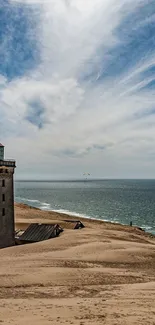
(119, 201)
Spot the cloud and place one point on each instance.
(77, 87)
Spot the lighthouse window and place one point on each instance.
(3, 182)
(3, 197)
(3, 212)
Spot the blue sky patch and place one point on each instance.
(19, 51)
(35, 114)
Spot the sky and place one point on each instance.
(77, 87)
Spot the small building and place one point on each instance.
(7, 167)
(74, 224)
(38, 232)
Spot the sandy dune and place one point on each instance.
(102, 274)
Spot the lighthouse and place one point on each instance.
(7, 230)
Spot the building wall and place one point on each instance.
(6, 207)
(1, 153)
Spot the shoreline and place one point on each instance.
(44, 206)
(54, 215)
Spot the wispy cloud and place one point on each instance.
(77, 86)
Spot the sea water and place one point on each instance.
(119, 201)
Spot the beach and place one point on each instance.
(101, 274)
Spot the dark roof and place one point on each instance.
(1, 145)
(38, 232)
(74, 224)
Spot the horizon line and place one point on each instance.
(80, 179)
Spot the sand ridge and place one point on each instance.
(102, 274)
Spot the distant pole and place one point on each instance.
(130, 223)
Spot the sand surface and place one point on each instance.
(102, 274)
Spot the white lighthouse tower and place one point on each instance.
(7, 231)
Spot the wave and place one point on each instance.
(71, 213)
(82, 215)
(24, 199)
(41, 204)
(45, 206)
(147, 228)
